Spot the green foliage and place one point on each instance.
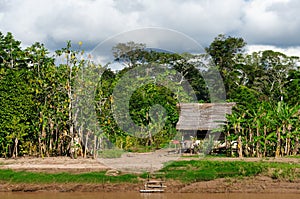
(267, 129)
(292, 87)
(142, 100)
(223, 51)
(37, 98)
(17, 111)
(47, 101)
(140, 104)
(93, 177)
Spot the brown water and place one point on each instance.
(47, 195)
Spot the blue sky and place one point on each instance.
(264, 24)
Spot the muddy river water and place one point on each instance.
(74, 195)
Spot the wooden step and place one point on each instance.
(155, 186)
(155, 182)
(151, 190)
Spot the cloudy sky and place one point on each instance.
(264, 24)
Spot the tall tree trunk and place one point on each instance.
(15, 151)
(285, 146)
(51, 136)
(278, 145)
(95, 147)
(228, 145)
(86, 144)
(246, 151)
(251, 141)
(61, 144)
(288, 146)
(70, 104)
(40, 147)
(265, 141)
(240, 146)
(258, 145)
(30, 149)
(56, 139)
(80, 135)
(296, 146)
(99, 143)
(289, 128)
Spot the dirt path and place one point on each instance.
(140, 162)
(53, 164)
(129, 162)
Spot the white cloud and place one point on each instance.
(202, 20)
(53, 22)
(58, 21)
(290, 51)
(273, 22)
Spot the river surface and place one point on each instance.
(74, 195)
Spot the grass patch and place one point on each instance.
(292, 156)
(92, 177)
(184, 171)
(190, 156)
(203, 170)
(111, 153)
(203, 156)
(286, 171)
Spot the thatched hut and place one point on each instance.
(200, 118)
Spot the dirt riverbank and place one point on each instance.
(260, 184)
(257, 184)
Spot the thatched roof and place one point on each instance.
(203, 116)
